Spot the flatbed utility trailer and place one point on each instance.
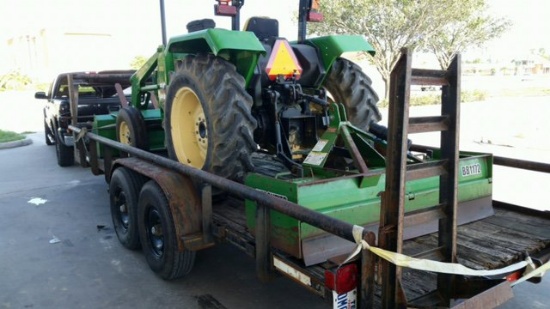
(509, 236)
(497, 241)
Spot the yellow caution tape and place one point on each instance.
(441, 267)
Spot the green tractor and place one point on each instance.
(224, 94)
(293, 119)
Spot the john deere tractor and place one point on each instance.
(293, 119)
(225, 94)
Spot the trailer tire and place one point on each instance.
(209, 123)
(48, 136)
(349, 85)
(124, 191)
(65, 154)
(130, 128)
(158, 235)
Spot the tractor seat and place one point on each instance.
(263, 27)
(200, 24)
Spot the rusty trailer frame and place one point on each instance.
(484, 294)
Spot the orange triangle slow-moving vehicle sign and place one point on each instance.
(283, 61)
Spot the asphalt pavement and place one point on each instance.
(58, 250)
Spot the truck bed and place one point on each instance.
(490, 243)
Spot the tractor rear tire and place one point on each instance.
(268, 165)
(349, 85)
(130, 128)
(209, 123)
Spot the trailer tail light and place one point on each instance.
(314, 15)
(283, 62)
(514, 276)
(225, 9)
(342, 279)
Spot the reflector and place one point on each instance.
(283, 61)
(343, 279)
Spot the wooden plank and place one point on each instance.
(517, 217)
(417, 283)
(482, 256)
(503, 237)
(531, 226)
(428, 124)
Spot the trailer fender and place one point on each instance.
(180, 192)
(241, 48)
(333, 46)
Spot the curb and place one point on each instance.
(19, 143)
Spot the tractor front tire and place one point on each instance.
(349, 85)
(130, 128)
(209, 123)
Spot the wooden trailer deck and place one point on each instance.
(497, 241)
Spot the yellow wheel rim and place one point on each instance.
(189, 131)
(124, 133)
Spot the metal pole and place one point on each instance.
(236, 20)
(304, 8)
(328, 224)
(163, 22)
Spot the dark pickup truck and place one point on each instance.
(97, 95)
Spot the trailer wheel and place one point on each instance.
(349, 85)
(65, 154)
(48, 136)
(124, 195)
(158, 235)
(130, 128)
(208, 117)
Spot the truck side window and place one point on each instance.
(63, 91)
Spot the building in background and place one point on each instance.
(44, 53)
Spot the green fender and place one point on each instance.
(333, 46)
(241, 48)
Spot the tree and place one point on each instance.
(469, 26)
(390, 25)
(387, 25)
(138, 62)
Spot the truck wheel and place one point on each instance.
(208, 117)
(123, 195)
(65, 154)
(130, 128)
(347, 84)
(158, 235)
(48, 136)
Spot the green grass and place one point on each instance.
(9, 136)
